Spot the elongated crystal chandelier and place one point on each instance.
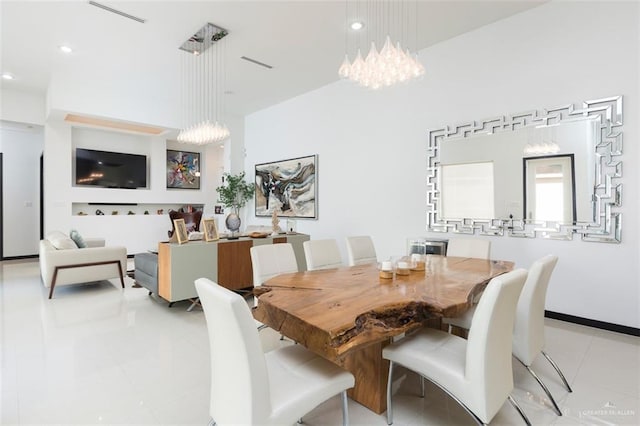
(203, 78)
(393, 64)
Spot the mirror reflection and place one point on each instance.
(550, 173)
(520, 174)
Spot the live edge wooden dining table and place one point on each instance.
(347, 315)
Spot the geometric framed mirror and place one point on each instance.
(549, 173)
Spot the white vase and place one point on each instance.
(233, 222)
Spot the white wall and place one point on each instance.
(21, 149)
(21, 190)
(22, 107)
(371, 145)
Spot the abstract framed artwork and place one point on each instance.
(183, 169)
(289, 187)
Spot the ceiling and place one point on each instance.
(304, 41)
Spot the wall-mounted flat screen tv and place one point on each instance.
(110, 169)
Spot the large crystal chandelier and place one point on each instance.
(203, 78)
(393, 64)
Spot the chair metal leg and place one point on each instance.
(261, 326)
(389, 384)
(421, 387)
(345, 409)
(455, 398)
(300, 421)
(554, 365)
(545, 389)
(194, 303)
(519, 410)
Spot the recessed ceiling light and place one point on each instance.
(357, 25)
(7, 76)
(65, 49)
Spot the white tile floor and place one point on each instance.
(97, 354)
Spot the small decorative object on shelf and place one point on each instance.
(130, 213)
(99, 212)
(275, 223)
(146, 212)
(386, 270)
(160, 211)
(114, 212)
(291, 226)
(82, 214)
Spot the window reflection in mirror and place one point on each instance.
(550, 188)
(467, 190)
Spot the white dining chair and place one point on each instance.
(360, 251)
(476, 372)
(249, 387)
(269, 260)
(528, 332)
(469, 247)
(322, 254)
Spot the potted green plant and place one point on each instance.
(234, 194)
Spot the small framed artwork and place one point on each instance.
(183, 169)
(218, 209)
(210, 230)
(288, 187)
(181, 231)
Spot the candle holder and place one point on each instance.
(418, 262)
(385, 269)
(403, 267)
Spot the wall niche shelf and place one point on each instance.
(128, 209)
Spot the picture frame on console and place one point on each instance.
(181, 234)
(288, 187)
(183, 169)
(210, 230)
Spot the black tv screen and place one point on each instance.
(110, 169)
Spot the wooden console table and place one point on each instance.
(227, 262)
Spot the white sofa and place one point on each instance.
(63, 263)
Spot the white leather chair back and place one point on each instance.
(269, 260)
(469, 247)
(528, 332)
(239, 380)
(322, 254)
(488, 358)
(360, 250)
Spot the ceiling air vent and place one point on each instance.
(117, 12)
(262, 64)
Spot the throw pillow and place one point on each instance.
(61, 241)
(77, 238)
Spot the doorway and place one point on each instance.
(549, 189)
